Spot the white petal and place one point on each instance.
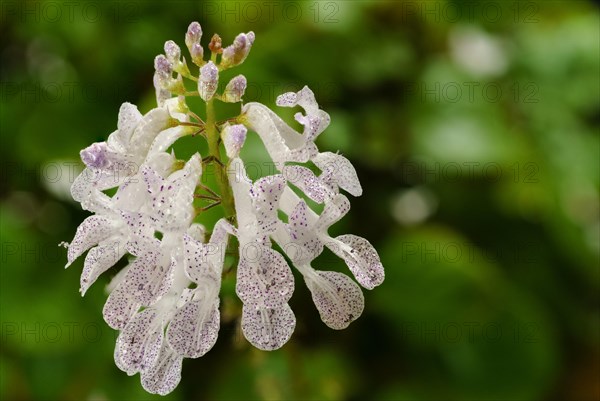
(265, 193)
(334, 210)
(268, 329)
(99, 259)
(194, 329)
(338, 299)
(337, 169)
(166, 138)
(308, 182)
(139, 344)
(304, 235)
(315, 121)
(150, 277)
(361, 257)
(152, 123)
(141, 233)
(240, 185)
(119, 307)
(129, 118)
(89, 233)
(165, 375)
(197, 266)
(263, 277)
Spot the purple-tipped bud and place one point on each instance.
(95, 155)
(163, 66)
(208, 81)
(193, 35)
(235, 89)
(172, 51)
(237, 52)
(233, 137)
(197, 52)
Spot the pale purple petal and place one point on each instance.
(194, 329)
(268, 329)
(164, 376)
(119, 307)
(263, 277)
(139, 344)
(265, 193)
(338, 299)
(233, 137)
(300, 233)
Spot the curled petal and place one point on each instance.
(99, 259)
(268, 329)
(129, 118)
(361, 257)
(338, 299)
(308, 182)
(89, 233)
(164, 376)
(263, 277)
(166, 138)
(332, 213)
(194, 329)
(139, 344)
(281, 141)
(145, 133)
(315, 121)
(339, 171)
(119, 307)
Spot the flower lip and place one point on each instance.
(95, 155)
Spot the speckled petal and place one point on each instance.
(263, 277)
(141, 233)
(150, 276)
(315, 121)
(268, 329)
(308, 182)
(196, 264)
(361, 257)
(300, 233)
(338, 299)
(84, 192)
(139, 344)
(194, 329)
(338, 170)
(99, 259)
(119, 307)
(164, 376)
(334, 210)
(89, 233)
(265, 193)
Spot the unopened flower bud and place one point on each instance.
(208, 81)
(172, 51)
(215, 44)
(233, 137)
(197, 52)
(163, 67)
(235, 89)
(237, 52)
(193, 35)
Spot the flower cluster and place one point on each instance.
(165, 301)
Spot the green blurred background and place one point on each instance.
(473, 127)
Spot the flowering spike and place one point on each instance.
(165, 301)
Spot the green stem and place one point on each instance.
(212, 135)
